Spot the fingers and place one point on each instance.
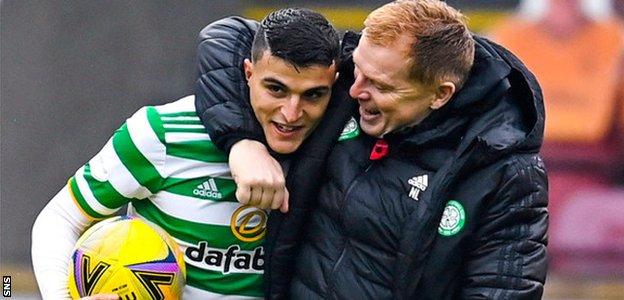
(256, 195)
(243, 193)
(284, 206)
(278, 199)
(267, 198)
(264, 197)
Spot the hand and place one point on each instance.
(102, 297)
(259, 177)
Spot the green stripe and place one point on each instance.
(185, 187)
(216, 236)
(230, 284)
(182, 122)
(104, 192)
(196, 130)
(81, 200)
(140, 168)
(180, 114)
(204, 151)
(154, 120)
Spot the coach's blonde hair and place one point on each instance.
(442, 47)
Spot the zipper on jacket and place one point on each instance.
(332, 287)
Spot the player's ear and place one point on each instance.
(248, 66)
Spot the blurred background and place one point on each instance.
(73, 71)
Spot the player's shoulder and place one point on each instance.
(174, 116)
(177, 122)
(153, 124)
(185, 106)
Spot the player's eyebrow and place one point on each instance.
(273, 81)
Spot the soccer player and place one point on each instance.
(165, 167)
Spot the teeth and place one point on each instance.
(285, 128)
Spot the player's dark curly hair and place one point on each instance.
(299, 36)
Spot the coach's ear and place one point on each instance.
(443, 94)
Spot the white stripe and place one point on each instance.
(195, 293)
(98, 166)
(196, 210)
(118, 175)
(180, 167)
(186, 104)
(183, 126)
(177, 137)
(205, 186)
(146, 140)
(87, 194)
(179, 118)
(213, 185)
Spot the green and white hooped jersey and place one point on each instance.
(162, 162)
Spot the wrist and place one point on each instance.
(246, 146)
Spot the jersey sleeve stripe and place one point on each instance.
(104, 192)
(156, 123)
(118, 175)
(74, 193)
(88, 197)
(181, 120)
(82, 203)
(199, 150)
(177, 112)
(177, 137)
(140, 167)
(182, 107)
(183, 127)
(144, 128)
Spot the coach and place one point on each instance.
(443, 197)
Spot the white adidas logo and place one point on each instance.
(208, 189)
(419, 184)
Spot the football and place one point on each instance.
(128, 257)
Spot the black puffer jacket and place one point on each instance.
(221, 98)
(376, 231)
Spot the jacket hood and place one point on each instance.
(500, 108)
